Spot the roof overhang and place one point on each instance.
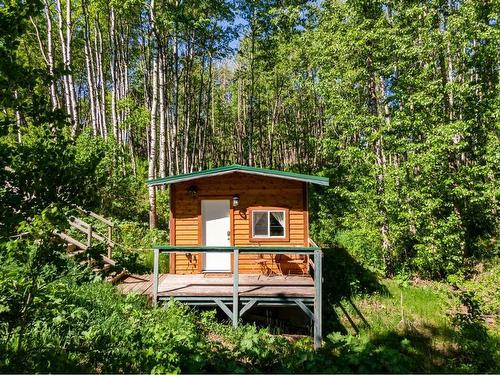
(241, 169)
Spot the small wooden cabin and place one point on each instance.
(239, 206)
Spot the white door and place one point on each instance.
(216, 229)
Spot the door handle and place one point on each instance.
(228, 234)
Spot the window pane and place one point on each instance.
(277, 224)
(260, 224)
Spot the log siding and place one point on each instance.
(255, 192)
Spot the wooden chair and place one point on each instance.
(264, 269)
(192, 263)
(301, 260)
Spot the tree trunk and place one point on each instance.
(67, 96)
(73, 103)
(89, 65)
(50, 57)
(375, 105)
(161, 79)
(153, 220)
(101, 78)
(112, 70)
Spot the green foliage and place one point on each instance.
(138, 240)
(36, 172)
(107, 180)
(479, 348)
(396, 101)
(58, 318)
(362, 355)
(91, 328)
(19, 81)
(484, 284)
(363, 244)
(47, 167)
(411, 104)
(27, 266)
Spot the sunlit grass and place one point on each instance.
(417, 315)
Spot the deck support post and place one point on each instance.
(156, 261)
(318, 280)
(235, 287)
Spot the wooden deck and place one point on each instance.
(207, 285)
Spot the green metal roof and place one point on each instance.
(239, 168)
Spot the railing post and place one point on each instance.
(318, 281)
(235, 288)
(156, 259)
(110, 239)
(89, 236)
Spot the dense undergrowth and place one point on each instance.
(56, 316)
(91, 327)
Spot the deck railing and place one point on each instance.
(315, 251)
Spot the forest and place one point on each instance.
(396, 101)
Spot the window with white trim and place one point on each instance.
(268, 224)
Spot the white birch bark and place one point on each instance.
(112, 66)
(90, 71)
(175, 119)
(73, 103)
(18, 121)
(161, 79)
(101, 79)
(152, 138)
(65, 42)
(62, 42)
(49, 56)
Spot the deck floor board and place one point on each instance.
(202, 285)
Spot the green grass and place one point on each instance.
(418, 321)
(485, 284)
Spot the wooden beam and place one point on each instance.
(304, 308)
(305, 212)
(96, 216)
(80, 222)
(77, 224)
(156, 259)
(312, 243)
(118, 277)
(248, 306)
(224, 308)
(70, 240)
(103, 219)
(318, 280)
(236, 277)
(108, 260)
(172, 234)
(311, 263)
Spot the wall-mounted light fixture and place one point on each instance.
(193, 190)
(236, 200)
